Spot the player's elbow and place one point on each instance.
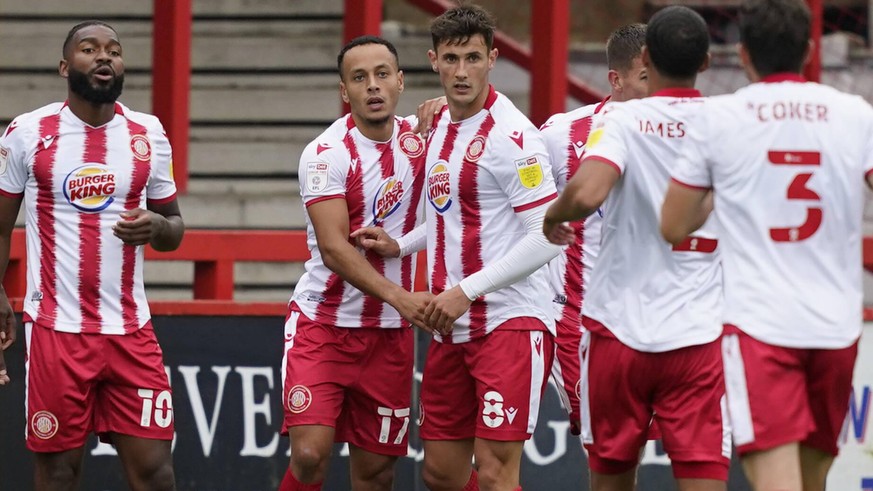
(587, 201)
(672, 233)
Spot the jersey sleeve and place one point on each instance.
(556, 147)
(607, 141)
(868, 144)
(162, 186)
(13, 160)
(692, 166)
(322, 176)
(523, 169)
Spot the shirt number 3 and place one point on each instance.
(798, 189)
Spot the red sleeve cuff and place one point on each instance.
(603, 160)
(10, 195)
(867, 174)
(691, 186)
(319, 199)
(534, 204)
(161, 201)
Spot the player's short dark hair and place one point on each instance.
(458, 25)
(623, 45)
(361, 41)
(775, 33)
(78, 27)
(677, 39)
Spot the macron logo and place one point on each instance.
(510, 414)
(518, 138)
(321, 147)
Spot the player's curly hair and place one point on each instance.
(78, 27)
(361, 41)
(677, 39)
(458, 25)
(776, 34)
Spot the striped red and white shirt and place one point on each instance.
(481, 172)
(381, 183)
(570, 272)
(76, 179)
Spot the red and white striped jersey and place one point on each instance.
(76, 179)
(381, 183)
(570, 272)
(481, 172)
(787, 160)
(649, 295)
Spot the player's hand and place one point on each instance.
(377, 240)
(138, 227)
(560, 233)
(426, 112)
(442, 312)
(412, 305)
(7, 333)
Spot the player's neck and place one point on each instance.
(92, 114)
(658, 82)
(380, 132)
(459, 111)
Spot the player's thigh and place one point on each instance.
(146, 461)
(618, 408)
(498, 462)
(511, 369)
(691, 411)
(766, 393)
(319, 363)
(370, 471)
(829, 382)
(447, 401)
(62, 369)
(135, 397)
(447, 463)
(376, 413)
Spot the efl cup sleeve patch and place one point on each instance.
(530, 172)
(4, 160)
(316, 176)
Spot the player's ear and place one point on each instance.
(343, 93)
(432, 56)
(705, 65)
(492, 57)
(400, 79)
(614, 80)
(810, 46)
(63, 69)
(644, 57)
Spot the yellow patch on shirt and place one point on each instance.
(594, 138)
(530, 172)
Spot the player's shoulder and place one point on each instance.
(26, 125)
(512, 129)
(149, 121)
(562, 122)
(330, 144)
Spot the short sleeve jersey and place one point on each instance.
(570, 272)
(381, 183)
(649, 295)
(75, 180)
(481, 171)
(787, 160)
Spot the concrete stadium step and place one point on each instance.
(248, 150)
(235, 203)
(275, 281)
(215, 44)
(87, 8)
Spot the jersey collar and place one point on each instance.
(601, 104)
(118, 109)
(492, 97)
(783, 77)
(677, 92)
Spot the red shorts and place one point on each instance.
(487, 388)
(683, 390)
(565, 370)
(781, 395)
(358, 381)
(79, 383)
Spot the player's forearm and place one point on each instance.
(348, 263)
(526, 256)
(170, 233)
(413, 241)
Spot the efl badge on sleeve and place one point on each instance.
(530, 172)
(141, 147)
(4, 160)
(316, 176)
(594, 138)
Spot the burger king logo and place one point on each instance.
(439, 187)
(299, 399)
(411, 145)
(90, 187)
(387, 199)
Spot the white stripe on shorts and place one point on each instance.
(28, 334)
(290, 332)
(537, 378)
(584, 403)
(737, 390)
